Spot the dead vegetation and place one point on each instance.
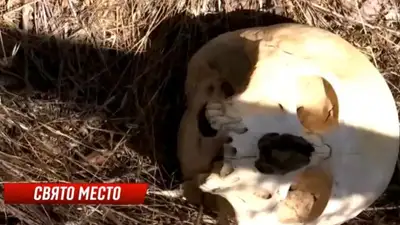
(91, 91)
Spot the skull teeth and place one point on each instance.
(222, 116)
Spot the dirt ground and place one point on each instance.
(90, 91)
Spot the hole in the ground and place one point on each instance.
(204, 125)
(318, 106)
(282, 153)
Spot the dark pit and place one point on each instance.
(282, 153)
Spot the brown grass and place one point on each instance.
(94, 92)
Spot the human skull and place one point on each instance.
(312, 84)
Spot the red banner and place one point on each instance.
(74, 193)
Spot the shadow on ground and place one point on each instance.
(137, 96)
(143, 90)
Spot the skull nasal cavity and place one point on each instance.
(284, 142)
(203, 125)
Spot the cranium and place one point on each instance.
(311, 84)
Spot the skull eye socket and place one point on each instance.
(204, 125)
(318, 105)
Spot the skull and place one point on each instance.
(308, 146)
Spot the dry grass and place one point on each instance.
(93, 92)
